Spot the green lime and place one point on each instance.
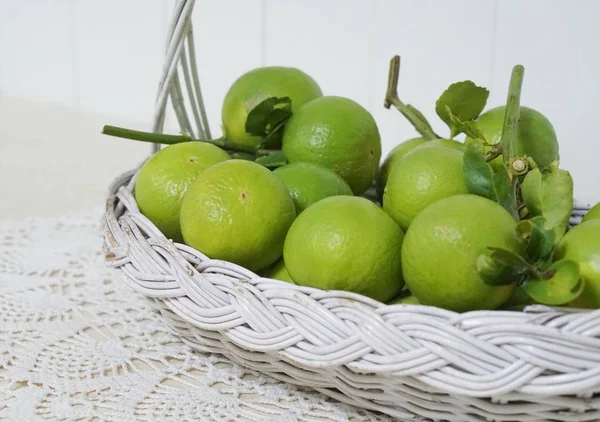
(238, 211)
(593, 213)
(393, 157)
(164, 178)
(336, 133)
(405, 300)
(404, 148)
(346, 243)
(448, 143)
(582, 245)
(535, 134)
(309, 183)
(279, 272)
(421, 178)
(254, 87)
(441, 248)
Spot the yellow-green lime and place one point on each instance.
(441, 248)
(405, 300)
(279, 272)
(336, 133)
(309, 183)
(421, 178)
(346, 243)
(593, 213)
(404, 148)
(393, 157)
(165, 177)
(254, 87)
(238, 211)
(582, 245)
(448, 143)
(535, 134)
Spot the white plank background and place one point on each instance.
(104, 56)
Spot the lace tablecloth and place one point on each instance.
(77, 344)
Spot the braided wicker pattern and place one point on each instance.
(405, 360)
(413, 362)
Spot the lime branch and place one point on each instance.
(161, 138)
(511, 119)
(391, 98)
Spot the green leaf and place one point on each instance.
(268, 119)
(479, 176)
(506, 189)
(499, 266)
(469, 128)
(481, 179)
(517, 300)
(275, 136)
(420, 116)
(537, 241)
(558, 285)
(549, 194)
(273, 160)
(268, 114)
(465, 99)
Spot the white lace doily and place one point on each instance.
(77, 344)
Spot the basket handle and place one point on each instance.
(180, 51)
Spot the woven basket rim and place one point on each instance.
(116, 187)
(131, 239)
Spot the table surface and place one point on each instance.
(77, 344)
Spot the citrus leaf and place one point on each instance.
(268, 116)
(498, 266)
(481, 179)
(465, 99)
(273, 160)
(469, 127)
(549, 194)
(420, 116)
(275, 136)
(518, 300)
(506, 190)
(559, 285)
(479, 176)
(537, 241)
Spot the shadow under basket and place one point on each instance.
(409, 361)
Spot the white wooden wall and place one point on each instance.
(104, 56)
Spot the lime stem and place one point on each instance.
(509, 134)
(520, 165)
(511, 116)
(493, 153)
(162, 138)
(540, 273)
(391, 98)
(136, 135)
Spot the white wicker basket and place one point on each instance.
(413, 362)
